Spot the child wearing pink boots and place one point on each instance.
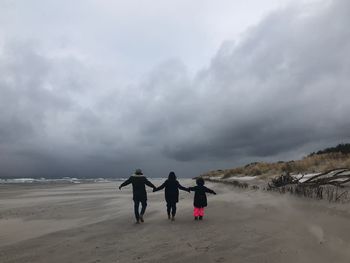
(200, 198)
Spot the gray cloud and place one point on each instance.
(285, 85)
(278, 92)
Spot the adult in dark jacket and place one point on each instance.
(200, 198)
(138, 181)
(172, 187)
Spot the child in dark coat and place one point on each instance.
(172, 187)
(200, 198)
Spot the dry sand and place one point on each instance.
(94, 223)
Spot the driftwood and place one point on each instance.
(329, 185)
(336, 177)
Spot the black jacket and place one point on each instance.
(138, 186)
(200, 198)
(171, 190)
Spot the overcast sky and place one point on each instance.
(98, 88)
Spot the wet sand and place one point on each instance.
(94, 223)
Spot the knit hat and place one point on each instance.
(138, 171)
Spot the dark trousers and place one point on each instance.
(136, 208)
(171, 208)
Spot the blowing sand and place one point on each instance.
(95, 223)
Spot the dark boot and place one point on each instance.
(196, 218)
(141, 218)
(201, 218)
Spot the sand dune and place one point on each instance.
(94, 223)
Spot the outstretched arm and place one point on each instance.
(192, 188)
(182, 188)
(125, 183)
(159, 188)
(209, 191)
(148, 183)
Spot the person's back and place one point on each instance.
(138, 186)
(200, 198)
(171, 190)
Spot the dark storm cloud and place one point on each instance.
(281, 88)
(285, 85)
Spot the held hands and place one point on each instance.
(120, 188)
(154, 189)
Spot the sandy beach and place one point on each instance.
(94, 223)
